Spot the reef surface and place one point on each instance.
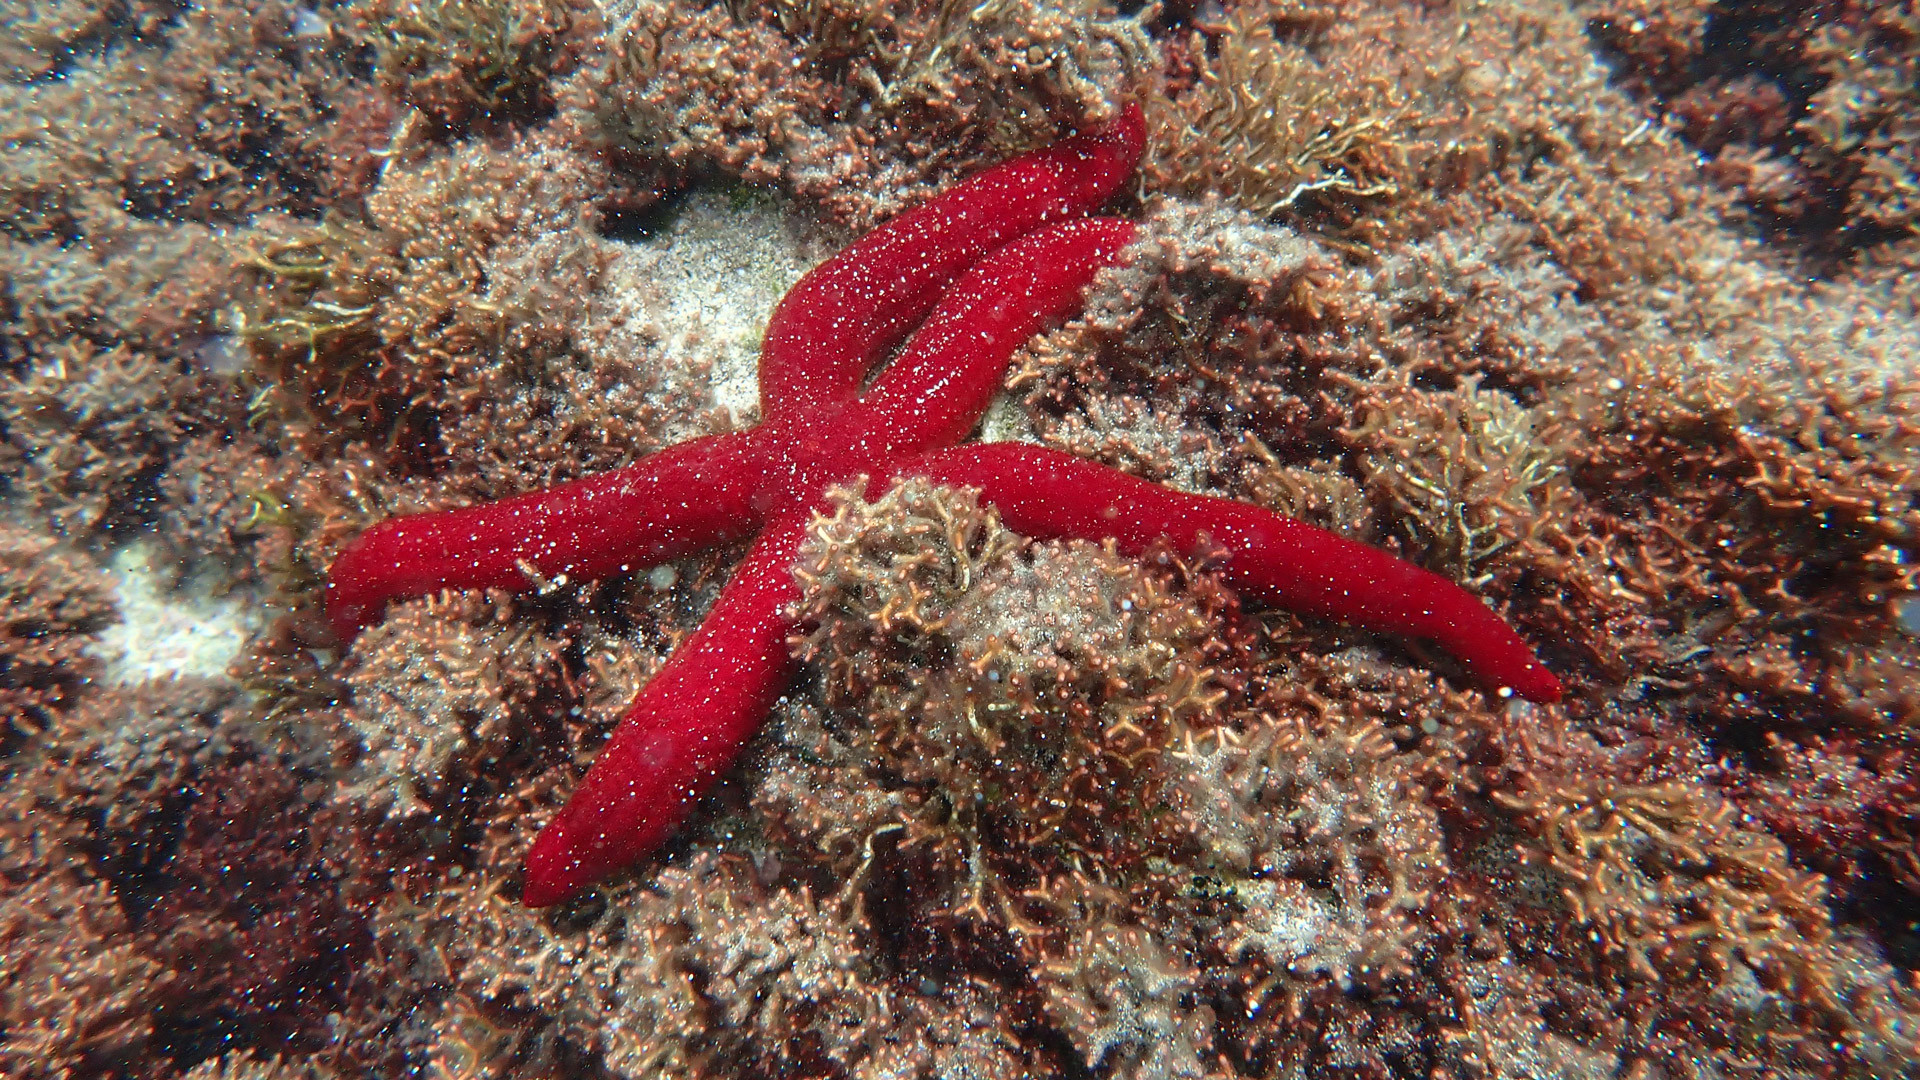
(1602, 309)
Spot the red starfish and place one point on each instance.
(979, 269)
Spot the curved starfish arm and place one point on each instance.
(1046, 494)
(677, 501)
(843, 315)
(949, 371)
(684, 728)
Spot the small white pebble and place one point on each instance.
(1906, 612)
(307, 23)
(223, 354)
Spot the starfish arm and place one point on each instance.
(677, 501)
(842, 316)
(1046, 494)
(683, 729)
(946, 376)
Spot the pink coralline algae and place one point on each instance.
(979, 269)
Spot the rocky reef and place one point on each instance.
(1602, 308)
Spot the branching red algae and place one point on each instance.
(1601, 310)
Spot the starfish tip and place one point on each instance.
(555, 872)
(1537, 684)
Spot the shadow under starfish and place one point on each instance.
(978, 270)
